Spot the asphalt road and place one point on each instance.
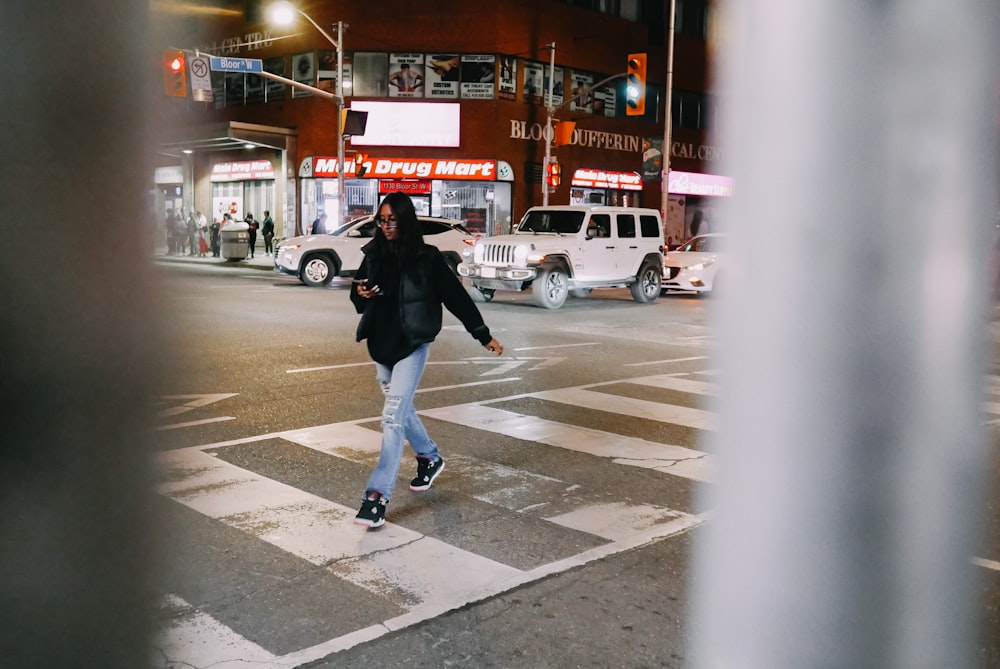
(559, 535)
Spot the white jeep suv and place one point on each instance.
(570, 250)
(317, 259)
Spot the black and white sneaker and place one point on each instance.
(427, 471)
(372, 512)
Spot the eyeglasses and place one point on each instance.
(390, 223)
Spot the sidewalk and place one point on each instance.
(261, 260)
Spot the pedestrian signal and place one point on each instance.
(553, 173)
(174, 73)
(635, 85)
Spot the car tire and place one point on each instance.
(646, 286)
(317, 271)
(551, 288)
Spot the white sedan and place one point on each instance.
(695, 265)
(317, 259)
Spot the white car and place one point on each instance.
(317, 259)
(694, 266)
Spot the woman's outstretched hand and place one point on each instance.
(495, 347)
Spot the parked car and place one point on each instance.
(694, 266)
(317, 259)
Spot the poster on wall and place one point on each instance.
(507, 82)
(581, 81)
(604, 101)
(533, 80)
(326, 70)
(227, 205)
(558, 86)
(406, 75)
(443, 73)
(304, 72)
(652, 158)
(478, 76)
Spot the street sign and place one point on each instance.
(223, 64)
(201, 80)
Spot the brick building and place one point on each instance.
(455, 97)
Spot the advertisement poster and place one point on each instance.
(304, 72)
(558, 87)
(582, 81)
(604, 101)
(227, 205)
(406, 75)
(443, 73)
(533, 80)
(507, 84)
(478, 76)
(326, 70)
(652, 158)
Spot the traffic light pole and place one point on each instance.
(668, 121)
(549, 110)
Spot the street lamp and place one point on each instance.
(283, 13)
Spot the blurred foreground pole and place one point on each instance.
(80, 352)
(854, 343)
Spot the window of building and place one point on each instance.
(691, 18)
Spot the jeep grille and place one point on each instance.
(498, 254)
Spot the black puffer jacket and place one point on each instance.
(407, 312)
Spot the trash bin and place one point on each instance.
(235, 239)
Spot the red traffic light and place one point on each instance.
(553, 174)
(174, 73)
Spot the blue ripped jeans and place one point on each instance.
(399, 419)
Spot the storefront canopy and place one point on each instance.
(228, 136)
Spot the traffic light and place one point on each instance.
(553, 172)
(635, 85)
(174, 73)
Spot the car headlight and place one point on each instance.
(521, 253)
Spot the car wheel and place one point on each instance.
(646, 286)
(551, 288)
(580, 293)
(317, 271)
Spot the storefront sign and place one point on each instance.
(322, 167)
(613, 180)
(692, 183)
(248, 170)
(416, 187)
(591, 139)
(172, 174)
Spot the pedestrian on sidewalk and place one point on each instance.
(252, 226)
(267, 230)
(401, 286)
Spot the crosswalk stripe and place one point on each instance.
(630, 406)
(323, 533)
(670, 382)
(197, 639)
(621, 449)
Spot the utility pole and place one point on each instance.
(549, 110)
(668, 121)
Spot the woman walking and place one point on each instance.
(401, 286)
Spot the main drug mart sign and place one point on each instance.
(322, 167)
